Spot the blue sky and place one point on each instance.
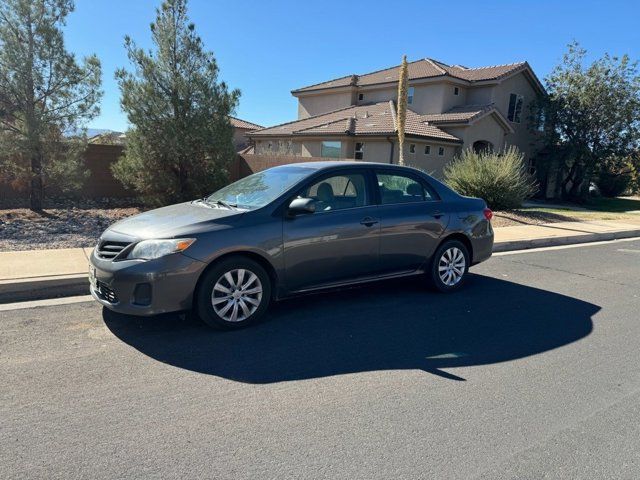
(267, 48)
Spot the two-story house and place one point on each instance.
(450, 108)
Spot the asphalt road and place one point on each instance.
(531, 372)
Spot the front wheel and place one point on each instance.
(233, 294)
(449, 266)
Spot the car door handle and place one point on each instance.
(437, 214)
(368, 221)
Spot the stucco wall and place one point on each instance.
(427, 98)
(380, 95)
(487, 129)
(450, 99)
(328, 102)
(239, 139)
(523, 138)
(480, 95)
(432, 163)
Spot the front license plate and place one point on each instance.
(92, 276)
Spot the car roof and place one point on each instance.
(341, 163)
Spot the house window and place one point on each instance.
(410, 95)
(359, 151)
(331, 149)
(412, 148)
(456, 90)
(427, 149)
(441, 151)
(515, 107)
(361, 96)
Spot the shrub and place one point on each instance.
(615, 177)
(498, 178)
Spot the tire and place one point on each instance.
(452, 279)
(221, 304)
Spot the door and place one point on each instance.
(412, 220)
(340, 240)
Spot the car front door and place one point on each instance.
(412, 220)
(340, 240)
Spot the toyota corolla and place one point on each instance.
(285, 231)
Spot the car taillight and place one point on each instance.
(488, 214)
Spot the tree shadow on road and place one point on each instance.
(385, 326)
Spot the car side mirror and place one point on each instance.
(300, 206)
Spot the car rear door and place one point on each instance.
(340, 241)
(412, 220)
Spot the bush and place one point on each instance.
(498, 178)
(615, 177)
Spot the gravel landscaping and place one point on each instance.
(513, 218)
(22, 229)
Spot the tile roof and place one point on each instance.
(238, 123)
(466, 114)
(369, 119)
(462, 113)
(424, 68)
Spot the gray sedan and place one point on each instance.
(285, 231)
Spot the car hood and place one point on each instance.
(174, 220)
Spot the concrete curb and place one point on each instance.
(566, 240)
(38, 288)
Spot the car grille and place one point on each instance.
(105, 292)
(108, 250)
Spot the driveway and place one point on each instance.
(532, 371)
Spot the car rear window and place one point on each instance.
(399, 188)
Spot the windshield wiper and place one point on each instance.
(230, 206)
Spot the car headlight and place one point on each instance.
(150, 249)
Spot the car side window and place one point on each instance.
(398, 188)
(338, 192)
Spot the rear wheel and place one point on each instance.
(449, 266)
(233, 294)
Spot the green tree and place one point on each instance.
(402, 107)
(181, 141)
(44, 95)
(591, 114)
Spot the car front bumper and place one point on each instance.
(137, 287)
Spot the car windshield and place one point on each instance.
(259, 189)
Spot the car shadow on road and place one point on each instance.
(384, 326)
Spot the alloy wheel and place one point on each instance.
(451, 266)
(236, 295)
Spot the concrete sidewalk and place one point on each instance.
(563, 233)
(34, 274)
